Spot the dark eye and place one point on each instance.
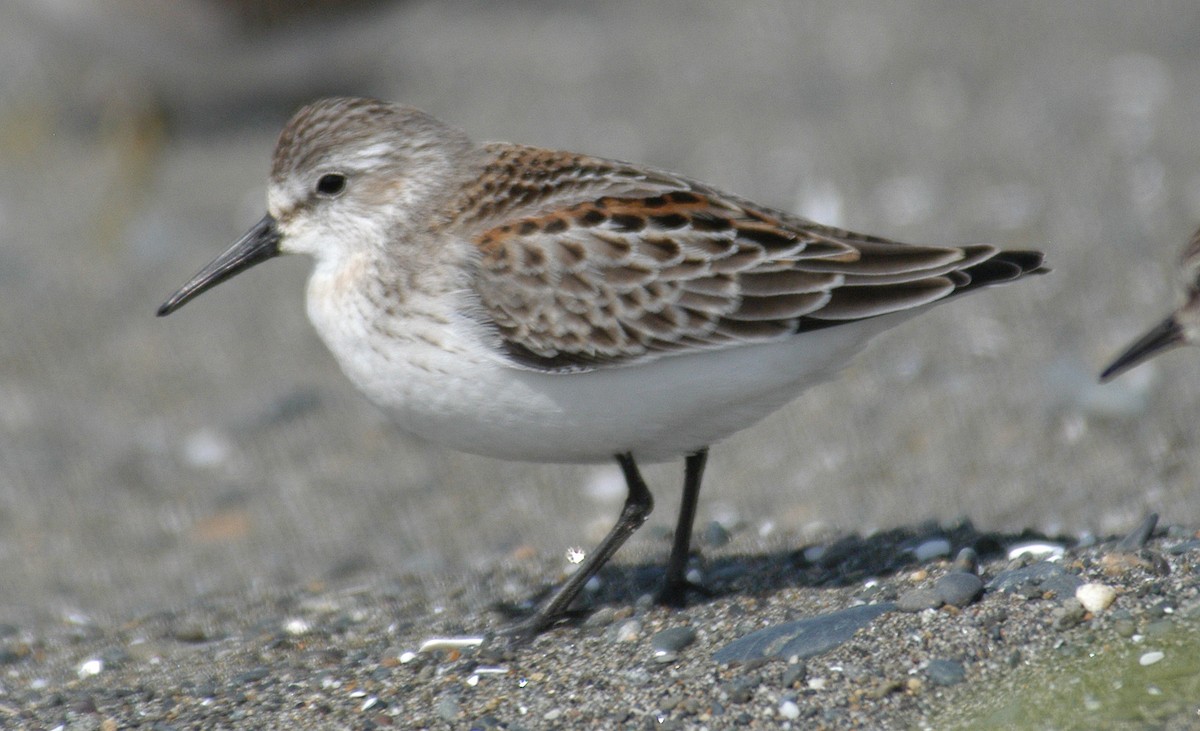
(331, 185)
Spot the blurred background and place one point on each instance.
(146, 462)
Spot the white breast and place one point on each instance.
(439, 381)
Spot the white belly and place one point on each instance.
(442, 385)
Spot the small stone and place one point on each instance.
(966, 561)
(946, 672)
(789, 710)
(602, 617)
(1123, 624)
(1139, 536)
(91, 667)
(885, 688)
(714, 535)
(794, 674)
(1037, 549)
(447, 708)
(958, 588)
(919, 599)
(628, 631)
(1095, 597)
(740, 689)
(930, 549)
(1150, 658)
(1035, 580)
(1069, 614)
(802, 638)
(668, 643)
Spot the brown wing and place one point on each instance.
(624, 275)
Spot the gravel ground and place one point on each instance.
(203, 525)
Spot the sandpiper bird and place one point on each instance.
(531, 304)
(1181, 327)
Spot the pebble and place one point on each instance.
(794, 674)
(1123, 624)
(1095, 597)
(714, 535)
(930, 549)
(628, 631)
(668, 643)
(741, 688)
(789, 710)
(958, 588)
(1138, 537)
(602, 617)
(447, 708)
(1150, 658)
(1041, 577)
(967, 561)
(91, 667)
(1038, 549)
(803, 638)
(946, 672)
(1069, 614)
(919, 599)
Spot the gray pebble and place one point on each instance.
(958, 589)
(921, 598)
(602, 617)
(740, 689)
(793, 674)
(1138, 537)
(931, 548)
(803, 638)
(1123, 624)
(1036, 579)
(668, 643)
(714, 535)
(447, 708)
(1069, 614)
(967, 561)
(946, 672)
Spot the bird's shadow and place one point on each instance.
(849, 560)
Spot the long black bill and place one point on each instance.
(259, 244)
(1167, 334)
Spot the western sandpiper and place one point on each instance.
(531, 304)
(1181, 327)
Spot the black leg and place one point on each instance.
(676, 585)
(638, 505)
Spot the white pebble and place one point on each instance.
(931, 549)
(297, 627)
(816, 683)
(1045, 551)
(789, 710)
(436, 644)
(629, 631)
(407, 656)
(1150, 658)
(95, 666)
(1095, 597)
